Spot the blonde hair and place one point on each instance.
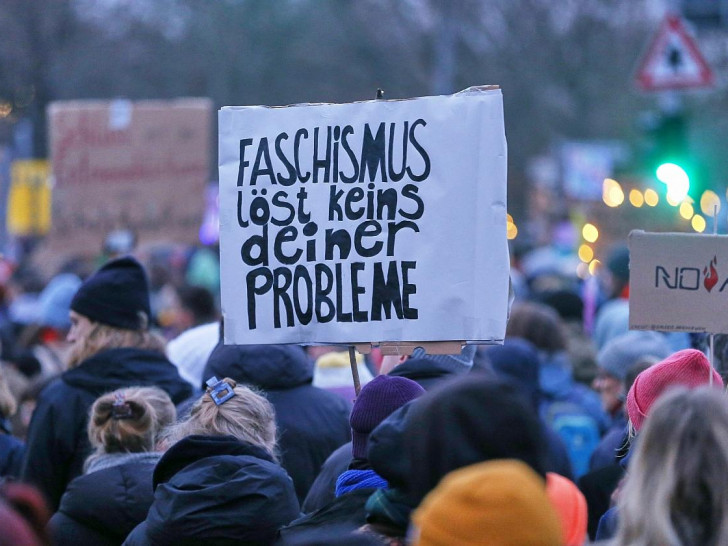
(145, 411)
(248, 416)
(676, 490)
(102, 337)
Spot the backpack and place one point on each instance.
(577, 428)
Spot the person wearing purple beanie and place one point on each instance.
(377, 400)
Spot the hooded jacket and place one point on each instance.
(428, 372)
(57, 443)
(311, 422)
(216, 490)
(101, 508)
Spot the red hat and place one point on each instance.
(688, 368)
(570, 506)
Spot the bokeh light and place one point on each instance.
(686, 210)
(612, 193)
(636, 198)
(698, 223)
(651, 197)
(590, 233)
(709, 202)
(586, 254)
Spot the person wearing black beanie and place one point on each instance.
(111, 348)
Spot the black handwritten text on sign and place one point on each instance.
(372, 199)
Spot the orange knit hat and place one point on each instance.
(570, 506)
(495, 503)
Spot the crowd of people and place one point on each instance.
(124, 419)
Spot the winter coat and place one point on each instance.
(323, 489)
(11, 455)
(57, 442)
(428, 373)
(311, 422)
(345, 514)
(216, 490)
(102, 507)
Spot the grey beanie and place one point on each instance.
(622, 352)
(458, 363)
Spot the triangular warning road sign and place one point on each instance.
(673, 60)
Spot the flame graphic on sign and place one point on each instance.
(711, 279)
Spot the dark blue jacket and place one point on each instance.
(428, 373)
(103, 507)
(216, 490)
(312, 422)
(11, 455)
(57, 442)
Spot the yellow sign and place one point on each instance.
(29, 202)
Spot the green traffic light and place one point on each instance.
(676, 180)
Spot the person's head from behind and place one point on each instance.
(129, 420)
(111, 309)
(676, 491)
(243, 414)
(539, 324)
(468, 420)
(499, 503)
(687, 368)
(618, 356)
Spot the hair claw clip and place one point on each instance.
(121, 408)
(219, 391)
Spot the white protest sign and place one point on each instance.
(678, 282)
(378, 221)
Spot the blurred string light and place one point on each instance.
(511, 229)
(636, 198)
(709, 203)
(686, 210)
(594, 266)
(698, 223)
(651, 197)
(5, 109)
(590, 233)
(586, 254)
(612, 193)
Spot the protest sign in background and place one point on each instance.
(140, 165)
(678, 282)
(367, 222)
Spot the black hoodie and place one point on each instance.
(312, 422)
(57, 443)
(216, 490)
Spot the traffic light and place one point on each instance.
(676, 180)
(671, 160)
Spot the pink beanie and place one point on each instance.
(687, 368)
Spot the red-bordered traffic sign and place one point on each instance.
(673, 60)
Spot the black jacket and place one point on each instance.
(57, 442)
(345, 514)
(312, 422)
(323, 489)
(102, 508)
(216, 490)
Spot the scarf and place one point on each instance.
(108, 460)
(389, 507)
(359, 479)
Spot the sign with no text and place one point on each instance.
(678, 282)
(378, 221)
